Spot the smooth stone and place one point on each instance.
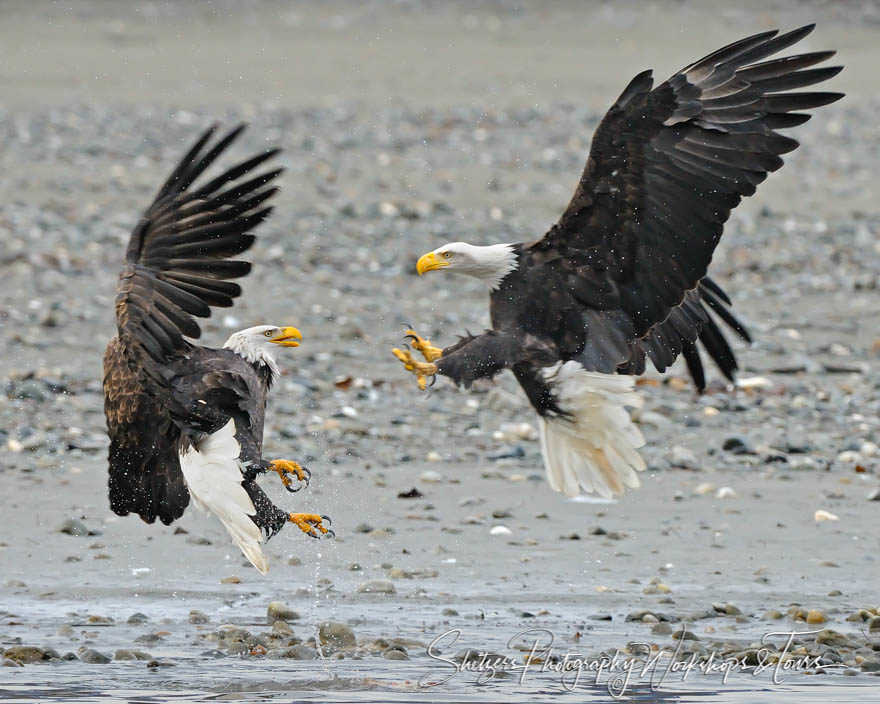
(336, 634)
(137, 617)
(126, 654)
(24, 654)
(301, 652)
(377, 586)
(76, 528)
(279, 611)
(829, 636)
(92, 656)
(198, 617)
(661, 629)
(393, 653)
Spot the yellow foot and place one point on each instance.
(287, 467)
(312, 524)
(422, 370)
(429, 352)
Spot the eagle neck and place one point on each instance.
(496, 261)
(262, 360)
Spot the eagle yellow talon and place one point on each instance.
(422, 370)
(287, 467)
(311, 524)
(429, 352)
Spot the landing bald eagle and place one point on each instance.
(621, 277)
(185, 420)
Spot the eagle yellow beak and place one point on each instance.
(429, 262)
(287, 337)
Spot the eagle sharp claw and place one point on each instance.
(429, 352)
(287, 467)
(422, 370)
(312, 524)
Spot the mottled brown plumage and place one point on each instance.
(177, 266)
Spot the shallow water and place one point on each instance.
(197, 681)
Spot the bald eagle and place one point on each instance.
(187, 421)
(621, 277)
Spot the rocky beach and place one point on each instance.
(406, 125)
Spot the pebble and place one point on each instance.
(377, 586)
(823, 515)
(336, 634)
(75, 527)
(92, 656)
(279, 611)
(24, 654)
(126, 654)
(198, 617)
(680, 456)
(815, 616)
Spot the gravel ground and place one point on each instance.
(415, 124)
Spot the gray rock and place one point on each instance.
(829, 636)
(376, 586)
(301, 652)
(336, 634)
(874, 495)
(449, 612)
(92, 656)
(680, 456)
(393, 653)
(738, 445)
(77, 528)
(507, 452)
(137, 617)
(198, 617)
(127, 654)
(661, 629)
(279, 611)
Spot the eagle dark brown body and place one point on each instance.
(171, 406)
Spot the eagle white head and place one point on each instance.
(489, 263)
(259, 344)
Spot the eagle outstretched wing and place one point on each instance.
(177, 263)
(665, 168)
(177, 266)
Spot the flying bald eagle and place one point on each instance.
(185, 420)
(621, 278)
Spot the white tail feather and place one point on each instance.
(213, 477)
(594, 448)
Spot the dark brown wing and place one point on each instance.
(176, 266)
(145, 476)
(178, 260)
(666, 167)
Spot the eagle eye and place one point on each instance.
(447, 255)
(268, 333)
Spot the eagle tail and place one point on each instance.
(213, 476)
(592, 445)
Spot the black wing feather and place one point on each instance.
(666, 167)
